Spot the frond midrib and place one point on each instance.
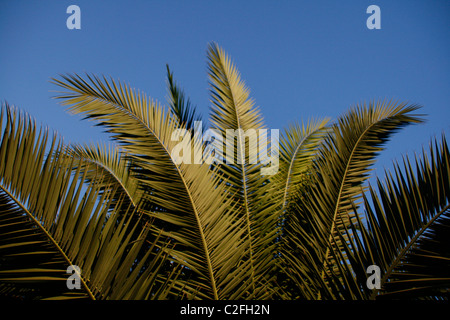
(290, 169)
(338, 201)
(330, 238)
(243, 167)
(408, 246)
(112, 173)
(47, 234)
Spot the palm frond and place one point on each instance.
(342, 166)
(298, 148)
(406, 229)
(50, 220)
(115, 167)
(299, 145)
(236, 120)
(180, 105)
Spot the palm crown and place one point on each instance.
(141, 225)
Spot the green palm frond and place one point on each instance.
(342, 166)
(241, 127)
(141, 126)
(298, 148)
(299, 145)
(114, 165)
(50, 220)
(180, 105)
(406, 230)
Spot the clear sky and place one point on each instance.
(301, 59)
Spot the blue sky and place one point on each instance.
(300, 59)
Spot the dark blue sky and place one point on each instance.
(301, 59)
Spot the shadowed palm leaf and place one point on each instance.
(405, 231)
(180, 105)
(50, 220)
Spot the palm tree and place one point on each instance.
(140, 224)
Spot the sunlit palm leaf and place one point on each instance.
(341, 168)
(191, 205)
(114, 165)
(299, 145)
(233, 115)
